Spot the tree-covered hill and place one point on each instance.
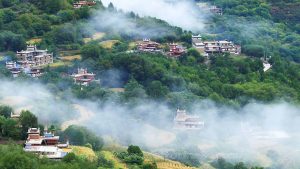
(225, 79)
(267, 30)
(271, 25)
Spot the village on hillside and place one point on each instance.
(32, 61)
(161, 84)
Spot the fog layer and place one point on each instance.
(250, 133)
(182, 13)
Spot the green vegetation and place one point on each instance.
(5, 111)
(263, 28)
(15, 128)
(223, 79)
(134, 158)
(269, 27)
(180, 82)
(13, 157)
(221, 163)
(134, 155)
(78, 135)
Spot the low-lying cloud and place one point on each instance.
(253, 133)
(124, 24)
(181, 13)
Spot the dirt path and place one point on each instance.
(84, 115)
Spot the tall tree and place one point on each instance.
(5, 111)
(27, 120)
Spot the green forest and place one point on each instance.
(232, 80)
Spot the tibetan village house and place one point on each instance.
(176, 50)
(187, 122)
(148, 46)
(45, 146)
(80, 4)
(16, 70)
(32, 57)
(82, 77)
(14, 116)
(13, 68)
(216, 10)
(205, 7)
(210, 47)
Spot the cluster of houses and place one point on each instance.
(183, 121)
(211, 47)
(47, 145)
(175, 50)
(30, 61)
(80, 4)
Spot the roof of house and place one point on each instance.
(182, 116)
(34, 141)
(48, 149)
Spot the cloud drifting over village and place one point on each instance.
(182, 13)
(121, 23)
(251, 133)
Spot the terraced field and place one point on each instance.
(96, 36)
(172, 165)
(71, 58)
(84, 152)
(108, 44)
(59, 64)
(117, 163)
(164, 163)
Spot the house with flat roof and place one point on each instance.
(219, 46)
(46, 146)
(176, 50)
(80, 4)
(33, 57)
(148, 46)
(83, 77)
(216, 10)
(187, 122)
(13, 68)
(16, 70)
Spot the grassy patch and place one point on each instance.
(70, 58)
(164, 163)
(84, 152)
(96, 36)
(34, 41)
(238, 57)
(117, 90)
(117, 163)
(132, 45)
(108, 44)
(59, 64)
(69, 52)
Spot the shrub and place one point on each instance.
(135, 150)
(70, 157)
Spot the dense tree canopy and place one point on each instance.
(81, 136)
